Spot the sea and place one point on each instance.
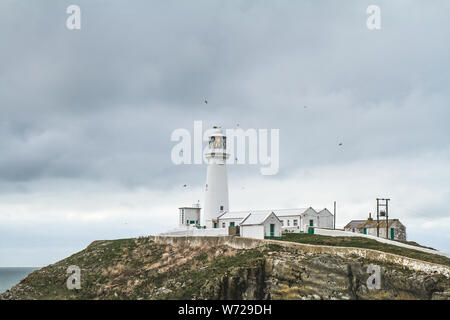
(12, 276)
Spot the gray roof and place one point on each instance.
(256, 218)
(290, 212)
(278, 212)
(325, 211)
(354, 224)
(370, 223)
(234, 215)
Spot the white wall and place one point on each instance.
(291, 220)
(341, 233)
(192, 232)
(190, 214)
(216, 194)
(325, 220)
(227, 222)
(255, 231)
(272, 220)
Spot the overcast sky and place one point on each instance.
(86, 115)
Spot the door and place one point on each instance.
(392, 233)
(272, 230)
(365, 230)
(232, 224)
(311, 223)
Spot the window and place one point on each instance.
(221, 208)
(232, 224)
(215, 225)
(282, 222)
(295, 222)
(311, 223)
(223, 224)
(211, 142)
(288, 222)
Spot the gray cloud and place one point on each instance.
(100, 104)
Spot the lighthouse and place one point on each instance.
(216, 189)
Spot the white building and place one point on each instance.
(292, 220)
(230, 219)
(261, 225)
(216, 189)
(189, 216)
(396, 230)
(325, 219)
(216, 215)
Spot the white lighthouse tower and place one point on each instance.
(216, 189)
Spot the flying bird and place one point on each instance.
(206, 101)
(340, 143)
(184, 185)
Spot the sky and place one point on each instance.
(86, 115)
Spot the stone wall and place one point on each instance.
(345, 252)
(341, 233)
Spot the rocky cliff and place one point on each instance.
(155, 268)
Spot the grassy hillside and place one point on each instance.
(360, 242)
(144, 269)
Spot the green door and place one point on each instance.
(272, 230)
(215, 225)
(392, 233)
(311, 223)
(365, 230)
(231, 224)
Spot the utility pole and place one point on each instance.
(378, 217)
(334, 216)
(387, 219)
(383, 213)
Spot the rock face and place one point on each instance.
(145, 269)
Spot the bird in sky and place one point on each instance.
(206, 101)
(340, 143)
(184, 185)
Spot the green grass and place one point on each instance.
(360, 242)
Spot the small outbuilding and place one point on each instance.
(261, 225)
(189, 216)
(396, 230)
